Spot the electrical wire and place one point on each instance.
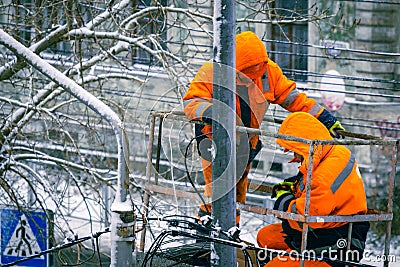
(176, 223)
(85, 261)
(153, 248)
(98, 252)
(183, 224)
(193, 256)
(293, 254)
(371, 1)
(395, 126)
(333, 47)
(68, 244)
(188, 174)
(358, 59)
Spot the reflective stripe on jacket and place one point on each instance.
(266, 84)
(336, 186)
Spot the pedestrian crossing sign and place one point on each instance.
(23, 234)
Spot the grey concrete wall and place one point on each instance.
(378, 31)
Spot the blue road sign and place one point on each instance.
(23, 234)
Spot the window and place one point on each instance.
(153, 23)
(291, 57)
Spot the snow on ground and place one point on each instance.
(250, 224)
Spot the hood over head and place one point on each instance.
(250, 51)
(304, 125)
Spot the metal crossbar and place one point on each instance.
(361, 139)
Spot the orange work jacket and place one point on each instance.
(265, 84)
(336, 184)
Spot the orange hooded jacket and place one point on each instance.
(262, 77)
(336, 184)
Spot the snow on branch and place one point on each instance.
(83, 96)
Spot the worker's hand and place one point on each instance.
(333, 129)
(331, 123)
(294, 179)
(282, 188)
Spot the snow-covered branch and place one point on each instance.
(16, 65)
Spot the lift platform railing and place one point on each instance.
(359, 139)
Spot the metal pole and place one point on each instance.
(307, 204)
(349, 234)
(122, 213)
(224, 124)
(390, 202)
(149, 167)
(106, 196)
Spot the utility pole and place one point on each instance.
(224, 127)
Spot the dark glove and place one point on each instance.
(282, 188)
(331, 123)
(294, 179)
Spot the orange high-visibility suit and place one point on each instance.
(336, 189)
(259, 82)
